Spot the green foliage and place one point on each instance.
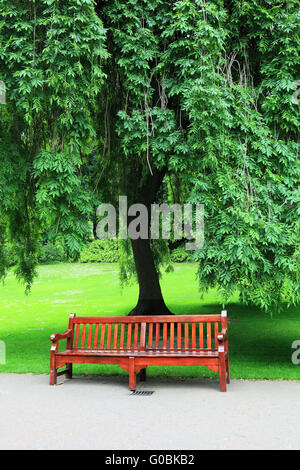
(209, 95)
(198, 94)
(50, 62)
(248, 173)
(181, 255)
(10, 256)
(62, 206)
(50, 253)
(100, 251)
(127, 273)
(47, 253)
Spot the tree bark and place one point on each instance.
(150, 301)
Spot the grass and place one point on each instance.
(260, 347)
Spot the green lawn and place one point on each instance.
(260, 347)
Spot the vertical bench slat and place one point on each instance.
(77, 335)
(122, 336)
(103, 327)
(172, 336)
(208, 335)
(129, 336)
(165, 336)
(186, 336)
(150, 339)
(96, 335)
(194, 335)
(178, 335)
(201, 335)
(142, 344)
(216, 334)
(116, 335)
(83, 335)
(108, 341)
(136, 332)
(90, 336)
(157, 335)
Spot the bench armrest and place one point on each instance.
(56, 336)
(222, 336)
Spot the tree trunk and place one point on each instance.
(150, 301)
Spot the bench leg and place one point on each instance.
(53, 371)
(69, 372)
(227, 370)
(142, 375)
(132, 374)
(222, 372)
(53, 377)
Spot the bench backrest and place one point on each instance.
(161, 333)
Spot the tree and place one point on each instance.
(50, 59)
(119, 97)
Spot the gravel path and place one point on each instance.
(100, 413)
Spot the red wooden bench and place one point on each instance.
(133, 343)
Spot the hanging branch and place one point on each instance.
(106, 143)
(148, 115)
(34, 32)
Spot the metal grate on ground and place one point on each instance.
(142, 392)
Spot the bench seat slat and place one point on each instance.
(153, 352)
